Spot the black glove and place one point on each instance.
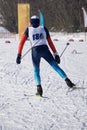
(18, 60)
(57, 59)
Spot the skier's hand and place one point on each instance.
(57, 58)
(18, 59)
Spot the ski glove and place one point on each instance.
(18, 60)
(57, 58)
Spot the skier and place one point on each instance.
(38, 36)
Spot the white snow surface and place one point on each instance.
(58, 109)
(3, 30)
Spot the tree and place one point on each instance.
(60, 15)
(8, 11)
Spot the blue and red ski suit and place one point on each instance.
(39, 37)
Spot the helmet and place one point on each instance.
(35, 21)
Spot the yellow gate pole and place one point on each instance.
(23, 17)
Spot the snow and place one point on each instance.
(3, 30)
(59, 109)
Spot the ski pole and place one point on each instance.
(29, 50)
(26, 53)
(64, 49)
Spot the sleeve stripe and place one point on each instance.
(21, 44)
(51, 45)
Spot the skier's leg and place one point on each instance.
(38, 81)
(62, 74)
(58, 69)
(37, 75)
(49, 58)
(36, 65)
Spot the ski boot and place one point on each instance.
(39, 91)
(70, 84)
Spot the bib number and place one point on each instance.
(38, 36)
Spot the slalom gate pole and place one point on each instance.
(64, 49)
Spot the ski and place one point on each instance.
(36, 96)
(74, 89)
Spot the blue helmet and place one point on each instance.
(35, 21)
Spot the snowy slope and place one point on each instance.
(58, 110)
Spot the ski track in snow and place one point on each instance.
(58, 109)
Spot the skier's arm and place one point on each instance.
(56, 56)
(50, 41)
(20, 46)
(22, 41)
(51, 45)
